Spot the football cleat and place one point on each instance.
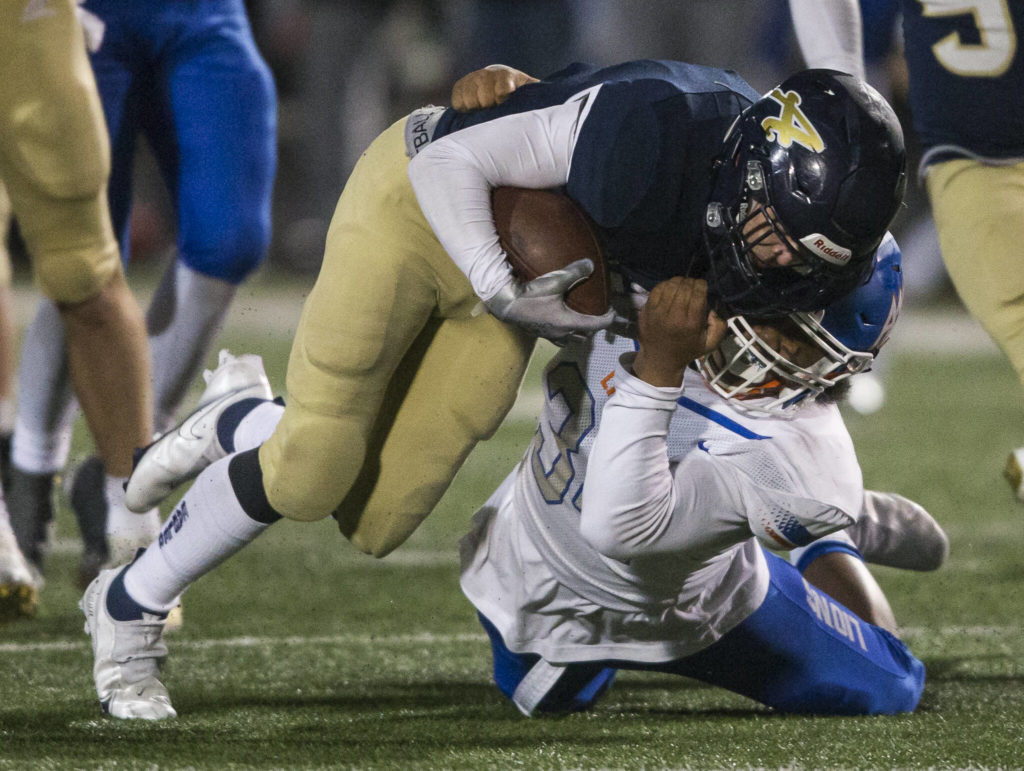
(18, 599)
(181, 453)
(1014, 472)
(19, 594)
(175, 619)
(30, 503)
(896, 532)
(5, 459)
(128, 656)
(89, 503)
(110, 534)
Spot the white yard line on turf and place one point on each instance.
(423, 638)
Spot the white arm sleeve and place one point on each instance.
(636, 503)
(830, 34)
(632, 504)
(453, 177)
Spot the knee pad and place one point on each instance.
(228, 249)
(73, 275)
(287, 494)
(70, 242)
(376, 536)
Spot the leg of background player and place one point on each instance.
(18, 586)
(218, 157)
(105, 329)
(7, 364)
(56, 167)
(7, 338)
(185, 315)
(981, 228)
(46, 413)
(42, 432)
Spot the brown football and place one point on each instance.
(542, 231)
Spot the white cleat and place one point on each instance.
(181, 453)
(19, 592)
(1014, 472)
(898, 533)
(127, 656)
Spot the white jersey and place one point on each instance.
(661, 566)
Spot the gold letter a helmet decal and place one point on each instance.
(792, 125)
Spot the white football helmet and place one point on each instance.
(748, 370)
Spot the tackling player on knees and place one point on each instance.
(689, 482)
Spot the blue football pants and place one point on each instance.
(800, 651)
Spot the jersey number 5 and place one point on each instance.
(989, 58)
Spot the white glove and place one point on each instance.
(538, 306)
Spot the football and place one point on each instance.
(542, 231)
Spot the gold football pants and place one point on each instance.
(979, 214)
(395, 372)
(5, 229)
(54, 151)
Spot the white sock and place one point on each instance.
(126, 531)
(46, 405)
(257, 426)
(40, 453)
(205, 528)
(186, 313)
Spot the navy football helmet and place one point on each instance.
(848, 334)
(820, 162)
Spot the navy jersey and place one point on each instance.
(642, 164)
(966, 76)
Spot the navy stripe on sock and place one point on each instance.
(247, 481)
(230, 419)
(121, 606)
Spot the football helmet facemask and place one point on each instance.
(760, 376)
(821, 158)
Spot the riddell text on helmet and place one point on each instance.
(827, 249)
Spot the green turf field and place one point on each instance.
(301, 653)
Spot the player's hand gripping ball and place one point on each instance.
(542, 231)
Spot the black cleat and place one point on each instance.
(89, 502)
(30, 503)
